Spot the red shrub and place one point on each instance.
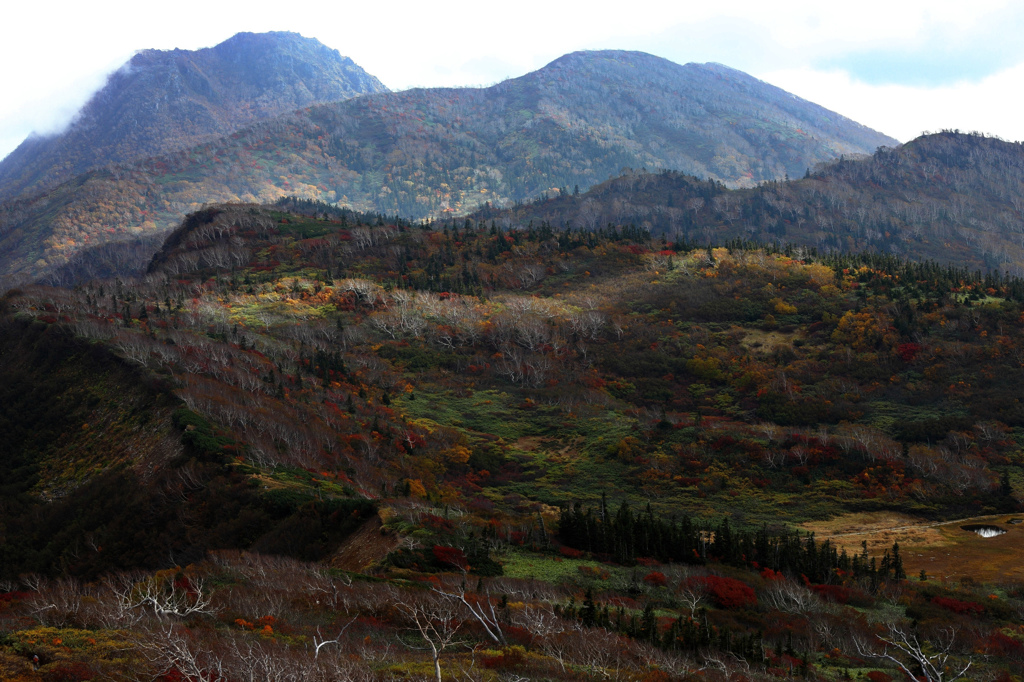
(570, 552)
(833, 593)
(728, 593)
(69, 672)
(509, 658)
(656, 579)
(957, 606)
(1000, 645)
(451, 556)
(437, 522)
(518, 635)
(656, 676)
(908, 351)
(593, 572)
(878, 676)
(371, 622)
(723, 442)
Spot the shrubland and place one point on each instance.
(561, 454)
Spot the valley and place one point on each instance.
(598, 425)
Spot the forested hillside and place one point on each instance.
(165, 100)
(583, 454)
(508, 402)
(434, 152)
(950, 197)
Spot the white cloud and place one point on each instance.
(992, 105)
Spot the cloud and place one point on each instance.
(49, 99)
(737, 42)
(940, 53)
(992, 105)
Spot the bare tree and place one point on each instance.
(319, 643)
(435, 617)
(164, 595)
(174, 647)
(694, 594)
(931, 656)
(790, 596)
(482, 609)
(56, 603)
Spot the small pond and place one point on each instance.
(985, 530)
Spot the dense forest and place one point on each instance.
(452, 450)
(950, 197)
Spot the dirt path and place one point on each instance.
(365, 547)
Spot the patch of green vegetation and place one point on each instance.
(889, 415)
(557, 570)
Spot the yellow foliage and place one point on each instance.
(860, 331)
(416, 488)
(782, 307)
(64, 644)
(458, 454)
(820, 275)
(428, 425)
(829, 291)
(627, 449)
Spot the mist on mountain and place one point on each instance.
(165, 100)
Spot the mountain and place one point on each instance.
(165, 100)
(950, 197)
(431, 152)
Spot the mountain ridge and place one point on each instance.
(433, 152)
(949, 197)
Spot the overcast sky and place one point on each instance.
(899, 66)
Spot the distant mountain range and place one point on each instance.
(435, 152)
(165, 100)
(949, 197)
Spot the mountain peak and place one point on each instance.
(597, 58)
(165, 100)
(255, 45)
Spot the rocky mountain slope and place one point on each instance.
(166, 100)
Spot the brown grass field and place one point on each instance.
(944, 551)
